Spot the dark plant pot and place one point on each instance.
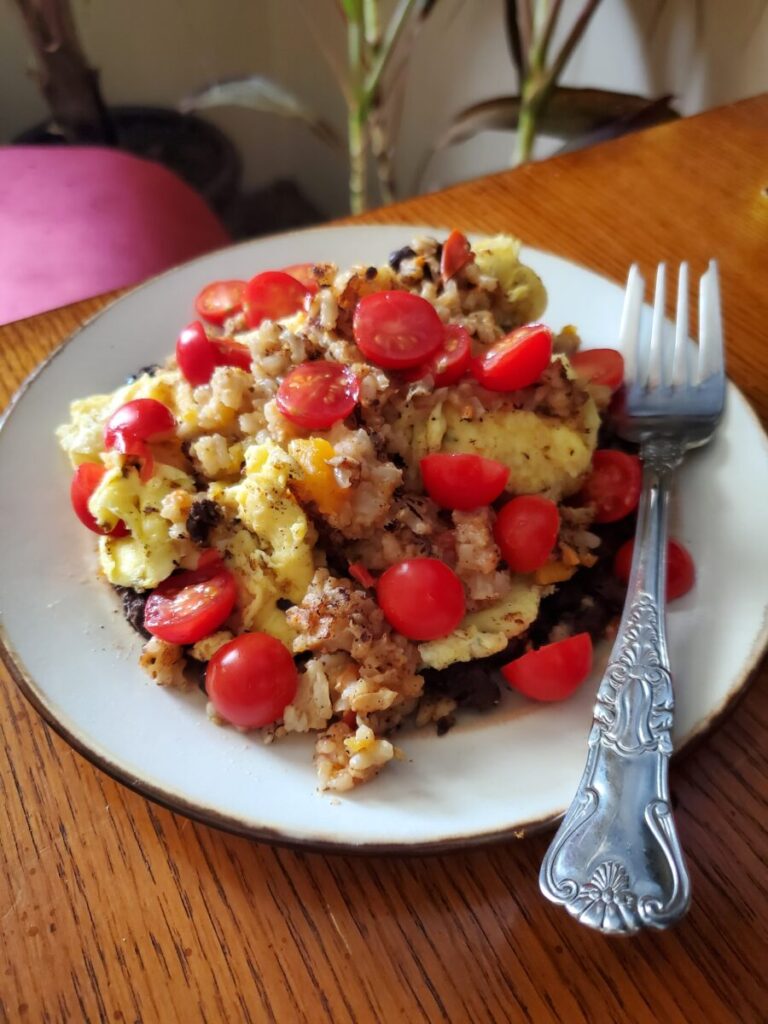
(194, 149)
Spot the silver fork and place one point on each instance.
(615, 862)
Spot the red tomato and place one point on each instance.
(220, 300)
(681, 572)
(85, 481)
(359, 573)
(526, 530)
(316, 395)
(138, 421)
(272, 296)
(195, 354)
(198, 355)
(303, 273)
(553, 672)
(516, 361)
(190, 605)
(613, 485)
(450, 363)
(232, 353)
(455, 255)
(251, 680)
(463, 481)
(130, 427)
(397, 330)
(600, 366)
(422, 598)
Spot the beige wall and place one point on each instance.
(153, 51)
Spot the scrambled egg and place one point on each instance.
(83, 437)
(499, 256)
(272, 551)
(544, 454)
(486, 632)
(149, 554)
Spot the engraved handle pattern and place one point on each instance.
(615, 862)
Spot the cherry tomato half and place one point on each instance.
(456, 253)
(138, 421)
(450, 363)
(198, 355)
(613, 485)
(316, 395)
(195, 354)
(251, 680)
(681, 572)
(272, 296)
(397, 330)
(516, 361)
(603, 366)
(303, 273)
(190, 605)
(422, 598)
(455, 480)
(554, 671)
(220, 300)
(526, 530)
(86, 479)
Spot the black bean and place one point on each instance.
(194, 671)
(470, 684)
(133, 608)
(397, 257)
(203, 516)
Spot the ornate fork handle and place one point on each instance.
(615, 862)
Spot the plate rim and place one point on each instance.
(209, 816)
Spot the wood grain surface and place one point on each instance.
(112, 909)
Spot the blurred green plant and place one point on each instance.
(371, 79)
(542, 106)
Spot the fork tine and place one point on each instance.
(630, 336)
(710, 324)
(680, 372)
(656, 374)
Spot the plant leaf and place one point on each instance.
(514, 42)
(654, 112)
(569, 113)
(262, 94)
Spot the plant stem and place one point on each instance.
(357, 162)
(382, 152)
(392, 32)
(526, 132)
(356, 108)
(540, 80)
(70, 86)
(371, 22)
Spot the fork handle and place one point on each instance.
(615, 862)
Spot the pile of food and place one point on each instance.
(355, 497)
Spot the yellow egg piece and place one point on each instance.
(499, 256)
(149, 554)
(486, 632)
(544, 454)
(266, 506)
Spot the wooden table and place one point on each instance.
(113, 909)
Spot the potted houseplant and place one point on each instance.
(78, 115)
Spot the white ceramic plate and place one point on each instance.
(493, 775)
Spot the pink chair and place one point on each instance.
(77, 221)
